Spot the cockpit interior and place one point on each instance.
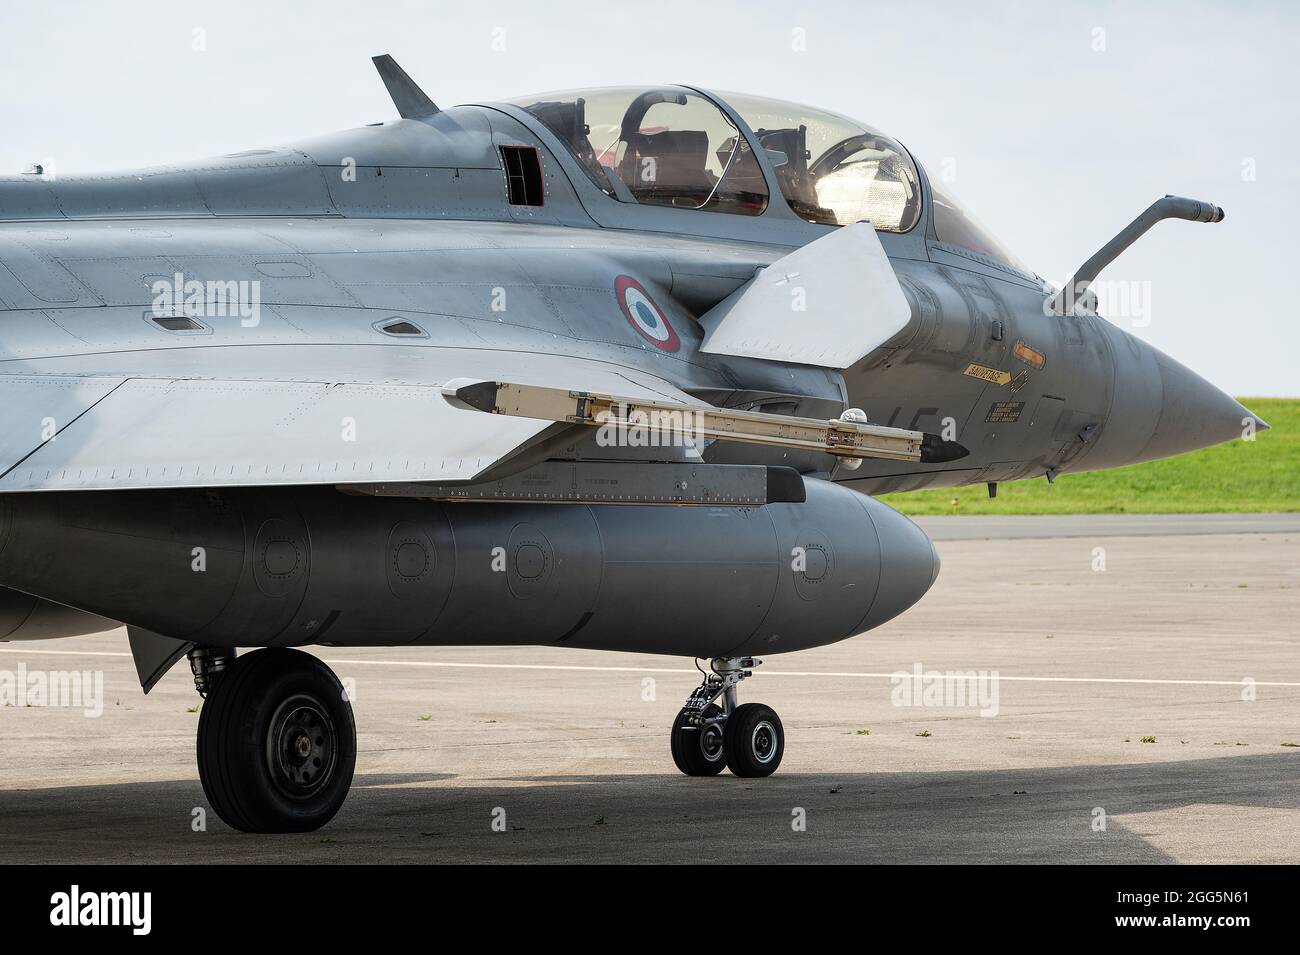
(673, 146)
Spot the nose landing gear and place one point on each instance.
(748, 739)
(277, 743)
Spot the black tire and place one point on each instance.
(277, 743)
(698, 751)
(754, 740)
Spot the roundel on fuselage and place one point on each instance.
(644, 314)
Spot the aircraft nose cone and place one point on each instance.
(909, 565)
(1194, 414)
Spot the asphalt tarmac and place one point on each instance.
(1136, 698)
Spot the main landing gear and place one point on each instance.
(747, 738)
(277, 743)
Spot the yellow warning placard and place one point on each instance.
(984, 373)
(1005, 412)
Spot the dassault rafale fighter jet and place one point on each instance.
(613, 368)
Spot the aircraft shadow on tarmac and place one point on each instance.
(1034, 815)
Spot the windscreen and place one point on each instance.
(831, 169)
(661, 147)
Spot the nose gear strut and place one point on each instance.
(748, 738)
(725, 676)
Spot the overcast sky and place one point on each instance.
(1054, 123)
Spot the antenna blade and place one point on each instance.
(410, 100)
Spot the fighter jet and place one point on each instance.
(617, 369)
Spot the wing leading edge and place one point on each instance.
(169, 432)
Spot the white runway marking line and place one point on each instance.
(843, 674)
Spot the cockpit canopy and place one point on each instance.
(659, 147)
(832, 170)
(670, 146)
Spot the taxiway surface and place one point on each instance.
(1189, 637)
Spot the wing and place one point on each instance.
(100, 432)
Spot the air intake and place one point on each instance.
(400, 327)
(176, 323)
(523, 176)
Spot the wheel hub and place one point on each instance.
(711, 741)
(763, 742)
(301, 746)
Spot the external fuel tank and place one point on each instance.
(287, 567)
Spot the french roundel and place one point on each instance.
(646, 316)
